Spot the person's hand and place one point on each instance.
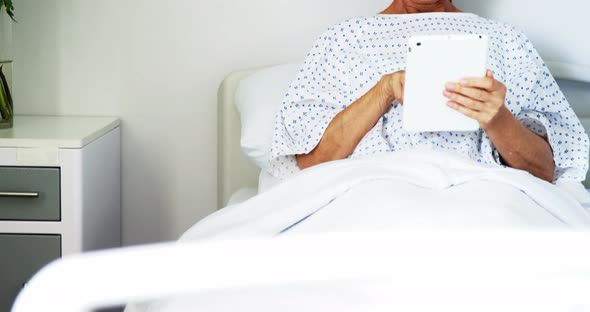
(394, 86)
(482, 99)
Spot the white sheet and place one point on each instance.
(414, 188)
(427, 189)
(266, 181)
(241, 196)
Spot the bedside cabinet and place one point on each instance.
(60, 193)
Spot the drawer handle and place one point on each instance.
(19, 194)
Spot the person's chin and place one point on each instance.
(425, 2)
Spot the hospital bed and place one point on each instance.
(542, 268)
(169, 270)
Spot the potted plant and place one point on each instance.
(6, 104)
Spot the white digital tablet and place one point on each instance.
(432, 61)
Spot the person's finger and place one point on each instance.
(464, 100)
(474, 93)
(486, 83)
(463, 110)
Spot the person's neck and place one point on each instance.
(406, 7)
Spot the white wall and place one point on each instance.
(157, 64)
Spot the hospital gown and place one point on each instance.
(352, 56)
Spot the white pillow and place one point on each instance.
(258, 99)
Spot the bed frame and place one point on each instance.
(83, 282)
(235, 171)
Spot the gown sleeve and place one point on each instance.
(324, 86)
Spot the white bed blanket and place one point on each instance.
(409, 189)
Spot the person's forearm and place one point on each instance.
(520, 148)
(349, 127)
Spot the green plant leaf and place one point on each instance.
(9, 8)
(5, 97)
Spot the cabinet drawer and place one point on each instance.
(21, 257)
(29, 194)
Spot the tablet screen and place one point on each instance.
(433, 61)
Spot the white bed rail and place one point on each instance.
(508, 270)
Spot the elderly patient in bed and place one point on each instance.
(346, 100)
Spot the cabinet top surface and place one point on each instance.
(56, 131)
